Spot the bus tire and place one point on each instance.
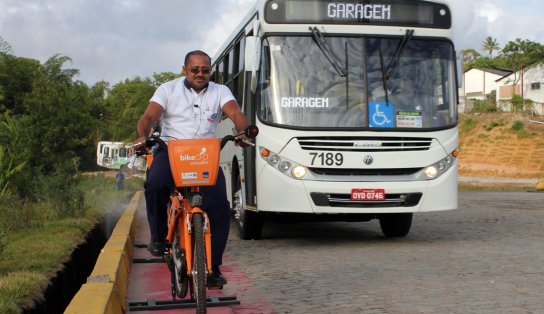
(250, 225)
(396, 225)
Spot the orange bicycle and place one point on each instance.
(194, 163)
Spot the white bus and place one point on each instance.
(356, 102)
(113, 155)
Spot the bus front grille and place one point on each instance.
(365, 144)
(344, 200)
(365, 172)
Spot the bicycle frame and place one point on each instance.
(179, 217)
(194, 163)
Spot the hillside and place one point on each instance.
(501, 145)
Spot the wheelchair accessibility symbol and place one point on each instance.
(381, 115)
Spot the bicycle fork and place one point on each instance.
(181, 217)
(207, 238)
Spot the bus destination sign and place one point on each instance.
(409, 13)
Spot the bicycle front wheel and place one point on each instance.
(199, 263)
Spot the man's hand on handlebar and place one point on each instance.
(243, 141)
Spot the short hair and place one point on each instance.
(196, 52)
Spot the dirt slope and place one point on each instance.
(495, 146)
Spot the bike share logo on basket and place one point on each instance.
(198, 159)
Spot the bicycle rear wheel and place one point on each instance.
(199, 263)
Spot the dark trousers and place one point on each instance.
(158, 185)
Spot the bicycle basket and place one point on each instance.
(194, 162)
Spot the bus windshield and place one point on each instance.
(319, 81)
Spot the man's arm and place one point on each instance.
(147, 120)
(232, 110)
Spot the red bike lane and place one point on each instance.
(149, 283)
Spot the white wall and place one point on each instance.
(478, 83)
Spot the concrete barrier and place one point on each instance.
(106, 287)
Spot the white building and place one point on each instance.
(477, 83)
(529, 83)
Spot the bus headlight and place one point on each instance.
(298, 172)
(430, 172)
(273, 160)
(437, 169)
(283, 164)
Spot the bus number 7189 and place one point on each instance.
(328, 159)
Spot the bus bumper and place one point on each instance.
(278, 193)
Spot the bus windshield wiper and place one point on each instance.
(396, 57)
(320, 41)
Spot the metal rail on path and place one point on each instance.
(155, 305)
(151, 304)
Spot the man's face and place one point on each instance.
(197, 71)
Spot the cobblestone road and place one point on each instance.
(485, 257)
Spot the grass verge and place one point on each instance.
(31, 255)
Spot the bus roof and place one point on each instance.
(390, 17)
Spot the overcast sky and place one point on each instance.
(113, 40)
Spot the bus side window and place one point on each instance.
(265, 64)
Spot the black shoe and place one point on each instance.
(156, 248)
(215, 279)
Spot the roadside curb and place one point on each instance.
(106, 287)
(497, 180)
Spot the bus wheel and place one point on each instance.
(396, 225)
(250, 223)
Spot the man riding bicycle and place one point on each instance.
(190, 107)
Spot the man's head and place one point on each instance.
(197, 69)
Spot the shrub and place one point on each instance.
(517, 125)
(2, 241)
(517, 103)
(483, 106)
(493, 124)
(468, 124)
(63, 195)
(524, 134)
(15, 214)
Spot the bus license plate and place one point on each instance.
(368, 195)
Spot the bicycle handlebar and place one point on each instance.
(142, 148)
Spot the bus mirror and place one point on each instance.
(252, 57)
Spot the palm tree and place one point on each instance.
(489, 45)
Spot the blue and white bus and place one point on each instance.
(356, 102)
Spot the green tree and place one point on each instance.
(489, 45)
(16, 75)
(483, 63)
(10, 163)
(469, 56)
(519, 54)
(126, 103)
(160, 78)
(5, 47)
(55, 131)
